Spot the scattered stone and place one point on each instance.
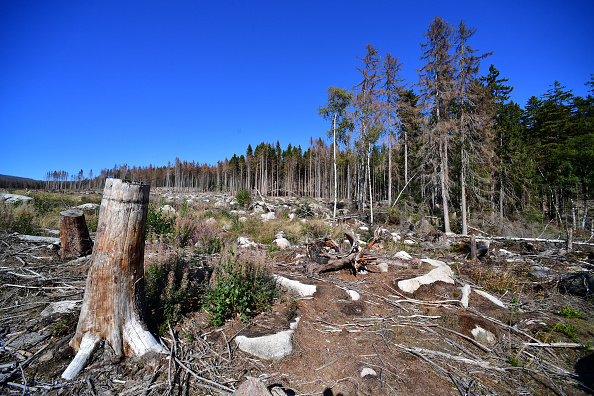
(505, 253)
(245, 243)
(268, 216)
(89, 207)
(364, 228)
(578, 284)
(409, 242)
(211, 221)
(302, 289)
(483, 335)
(292, 216)
(443, 273)
(252, 387)
(368, 371)
(168, 209)
(270, 347)
(242, 219)
(403, 255)
(14, 198)
(353, 295)
(282, 243)
(383, 267)
(424, 226)
(60, 307)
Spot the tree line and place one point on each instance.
(453, 140)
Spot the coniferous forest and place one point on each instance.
(452, 141)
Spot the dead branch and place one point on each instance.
(354, 259)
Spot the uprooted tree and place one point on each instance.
(114, 295)
(322, 260)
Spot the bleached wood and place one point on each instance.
(112, 306)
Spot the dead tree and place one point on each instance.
(74, 234)
(354, 258)
(114, 295)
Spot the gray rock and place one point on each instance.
(60, 307)
(383, 267)
(578, 284)
(368, 371)
(270, 347)
(14, 198)
(252, 387)
(282, 243)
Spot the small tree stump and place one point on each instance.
(74, 234)
(113, 305)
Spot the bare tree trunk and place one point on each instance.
(335, 171)
(114, 295)
(443, 152)
(370, 186)
(74, 234)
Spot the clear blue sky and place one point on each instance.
(87, 84)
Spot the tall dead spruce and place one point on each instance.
(113, 303)
(322, 260)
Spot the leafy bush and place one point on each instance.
(243, 197)
(172, 287)
(19, 219)
(159, 222)
(567, 329)
(206, 238)
(568, 312)
(241, 289)
(185, 227)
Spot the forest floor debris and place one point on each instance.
(437, 339)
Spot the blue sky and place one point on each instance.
(90, 84)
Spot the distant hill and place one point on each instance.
(17, 179)
(7, 181)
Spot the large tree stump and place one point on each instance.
(114, 295)
(74, 234)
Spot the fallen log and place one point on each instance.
(36, 239)
(354, 258)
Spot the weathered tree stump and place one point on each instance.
(114, 295)
(74, 234)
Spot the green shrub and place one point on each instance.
(243, 197)
(241, 289)
(567, 329)
(206, 238)
(570, 313)
(172, 288)
(159, 222)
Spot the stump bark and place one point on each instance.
(113, 304)
(74, 234)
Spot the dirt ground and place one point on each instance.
(419, 343)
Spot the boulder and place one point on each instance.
(368, 371)
(282, 243)
(270, 347)
(244, 242)
(252, 387)
(578, 284)
(443, 273)
(268, 216)
(353, 295)
(383, 267)
(14, 198)
(89, 207)
(403, 255)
